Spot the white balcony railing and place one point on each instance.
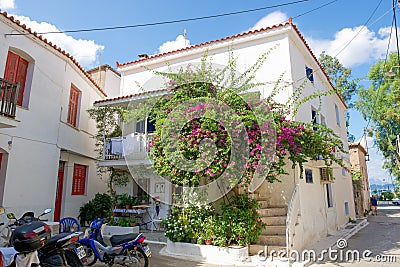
(130, 147)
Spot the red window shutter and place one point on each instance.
(21, 78)
(16, 69)
(79, 180)
(11, 67)
(73, 106)
(1, 159)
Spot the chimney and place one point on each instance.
(143, 56)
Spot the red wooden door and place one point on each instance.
(60, 185)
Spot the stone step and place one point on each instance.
(274, 230)
(272, 240)
(254, 249)
(264, 203)
(274, 220)
(272, 211)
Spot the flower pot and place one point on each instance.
(127, 206)
(208, 241)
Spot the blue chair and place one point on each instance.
(69, 225)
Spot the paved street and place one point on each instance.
(381, 237)
(158, 260)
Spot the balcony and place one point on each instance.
(8, 103)
(131, 149)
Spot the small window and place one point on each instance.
(141, 127)
(323, 120)
(329, 199)
(79, 179)
(337, 115)
(343, 172)
(309, 74)
(309, 178)
(73, 106)
(314, 118)
(16, 70)
(346, 208)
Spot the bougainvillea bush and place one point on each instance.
(215, 123)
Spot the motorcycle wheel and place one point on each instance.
(139, 257)
(72, 259)
(90, 257)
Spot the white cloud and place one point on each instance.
(179, 43)
(376, 174)
(7, 4)
(367, 46)
(84, 51)
(271, 19)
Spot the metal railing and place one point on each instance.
(291, 217)
(8, 98)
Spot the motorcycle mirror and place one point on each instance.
(11, 216)
(46, 211)
(2, 210)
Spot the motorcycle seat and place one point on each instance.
(53, 240)
(119, 239)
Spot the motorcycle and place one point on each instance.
(59, 250)
(126, 250)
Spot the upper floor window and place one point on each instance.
(337, 115)
(145, 126)
(314, 118)
(323, 120)
(309, 74)
(73, 106)
(16, 70)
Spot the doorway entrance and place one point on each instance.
(59, 192)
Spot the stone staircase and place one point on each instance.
(273, 237)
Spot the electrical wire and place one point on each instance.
(171, 21)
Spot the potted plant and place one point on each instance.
(132, 221)
(124, 222)
(144, 199)
(125, 201)
(208, 230)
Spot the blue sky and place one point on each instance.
(329, 28)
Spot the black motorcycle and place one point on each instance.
(60, 250)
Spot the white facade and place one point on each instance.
(42, 137)
(289, 56)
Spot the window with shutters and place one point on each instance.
(16, 71)
(79, 179)
(73, 106)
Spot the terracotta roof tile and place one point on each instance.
(40, 37)
(130, 96)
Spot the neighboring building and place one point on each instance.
(319, 204)
(361, 186)
(48, 156)
(107, 78)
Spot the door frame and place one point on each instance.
(59, 190)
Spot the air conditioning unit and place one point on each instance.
(326, 175)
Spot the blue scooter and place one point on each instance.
(126, 250)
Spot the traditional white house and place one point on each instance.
(48, 157)
(297, 211)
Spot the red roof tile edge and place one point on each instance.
(130, 96)
(63, 52)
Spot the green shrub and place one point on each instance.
(98, 207)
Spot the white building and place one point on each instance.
(305, 209)
(47, 148)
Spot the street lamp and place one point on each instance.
(391, 73)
